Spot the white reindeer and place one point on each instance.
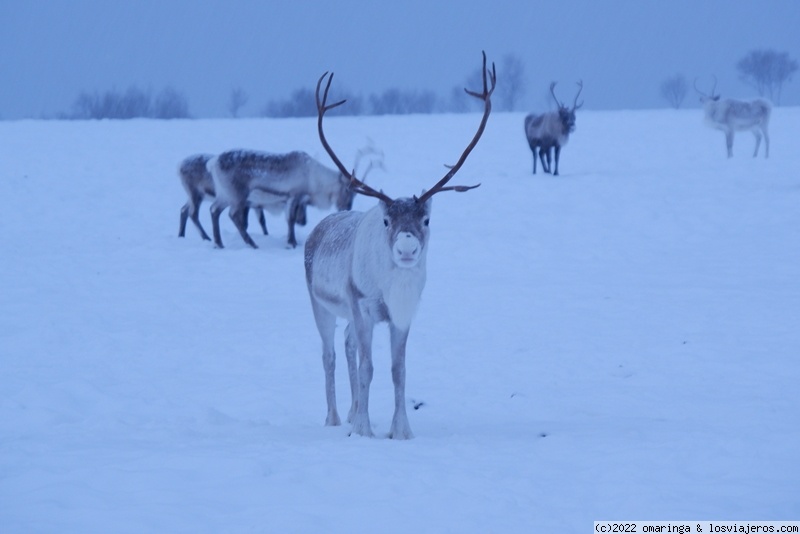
(730, 115)
(551, 130)
(370, 267)
(249, 178)
(197, 182)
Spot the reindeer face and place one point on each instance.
(567, 119)
(406, 221)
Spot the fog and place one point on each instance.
(52, 50)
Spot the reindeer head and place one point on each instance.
(406, 220)
(344, 199)
(704, 98)
(566, 114)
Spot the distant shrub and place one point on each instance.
(302, 103)
(170, 104)
(133, 103)
(674, 89)
(236, 100)
(397, 102)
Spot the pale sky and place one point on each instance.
(52, 50)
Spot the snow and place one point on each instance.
(619, 342)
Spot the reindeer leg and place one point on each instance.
(326, 324)
(245, 217)
(196, 220)
(545, 163)
(262, 220)
(190, 211)
(766, 142)
(194, 214)
(291, 220)
(400, 427)
(184, 217)
(351, 351)
(216, 210)
(758, 142)
(729, 143)
(300, 207)
(534, 159)
(363, 330)
(238, 215)
(557, 157)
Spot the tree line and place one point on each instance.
(765, 70)
(130, 104)
(171, 104)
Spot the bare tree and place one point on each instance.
(398, 102)
(113, 104)
(457, 103)
(511, 85)
(674, 89)
(299, 104)
(134, 102)
(302, 103)
(170, 104)
(767, 70)
(237, 99)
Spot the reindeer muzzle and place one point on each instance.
(406, 250)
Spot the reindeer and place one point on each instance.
(551, 130)
(244, 178)
(370, 267)
(197, 182)
(730, 115)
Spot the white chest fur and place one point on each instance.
(402, 294)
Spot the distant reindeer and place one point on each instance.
(197, 182)
(730, 115)
(244, 178)
(551, 130)
(370, 267)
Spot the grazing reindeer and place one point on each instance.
(551, 130)
(369, 267)
(730, 115)
(244, 178)
(197, 182)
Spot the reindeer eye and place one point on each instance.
(386, 223)
(427, 221)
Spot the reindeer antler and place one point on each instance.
(713, 88)
(485, 95)
(322, 106)
(552, 92)
(575, 104)
(375, 160)
(489, 83)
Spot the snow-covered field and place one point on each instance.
(619, 342)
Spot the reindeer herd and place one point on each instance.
(370, 267)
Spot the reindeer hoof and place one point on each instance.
(362, 427)
(333, 420)
(401, 434)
